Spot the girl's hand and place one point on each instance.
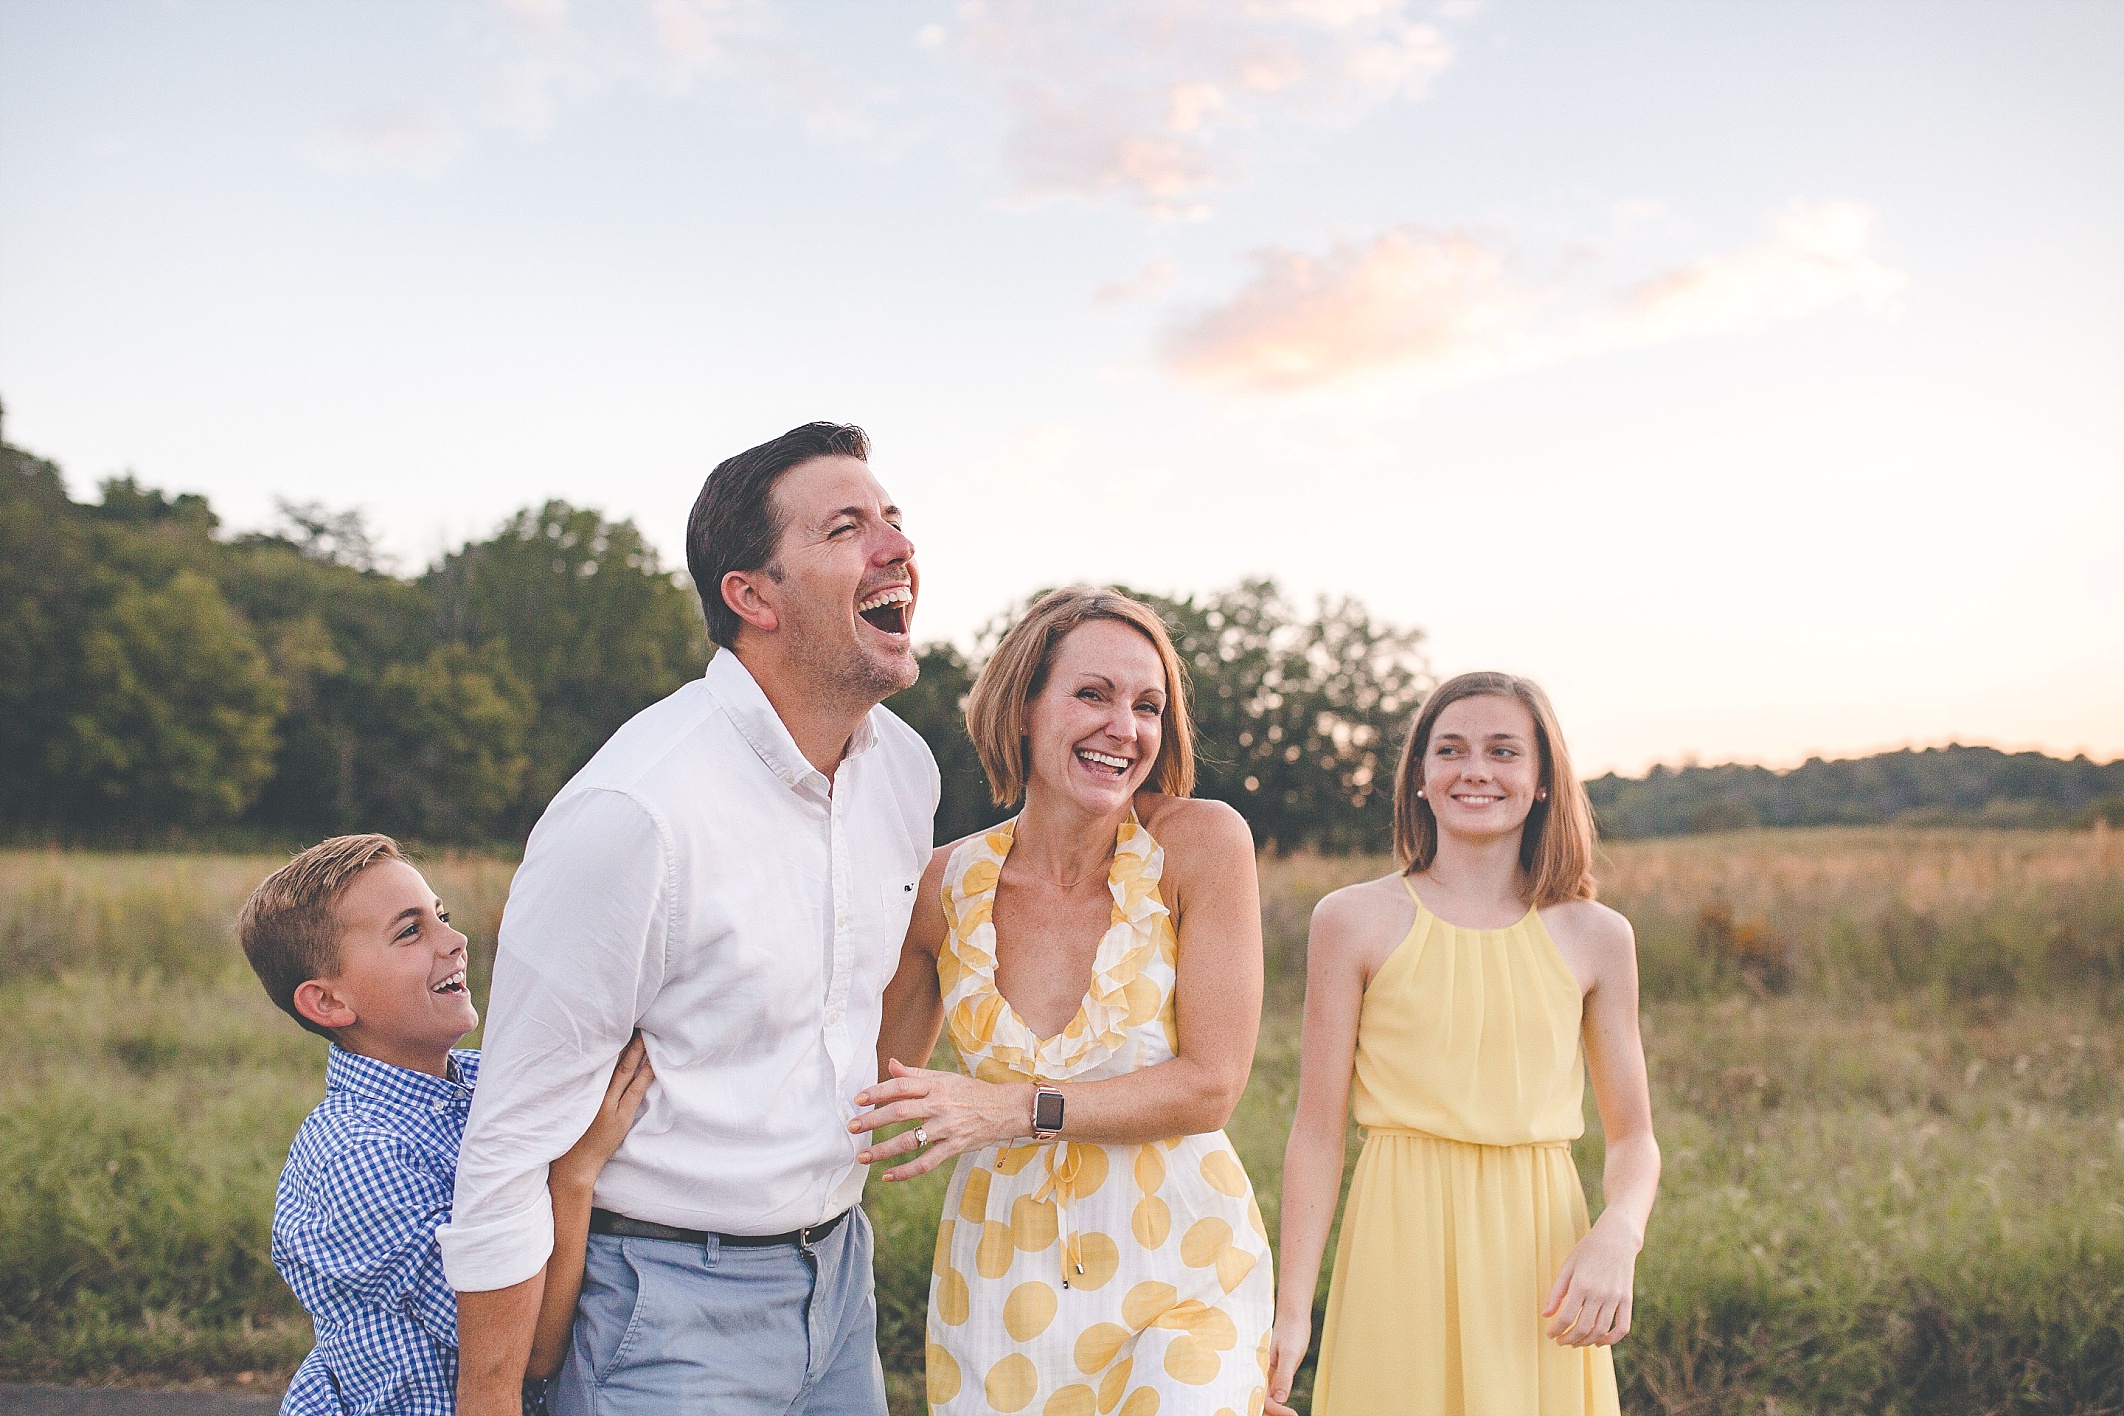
(1589, 1305)
(631, 1076)
(1288, 1341)
(955, 1114)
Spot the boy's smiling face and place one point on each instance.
(399, 994)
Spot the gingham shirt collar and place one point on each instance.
(400, 1089)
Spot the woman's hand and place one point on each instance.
(1288, 1340)
(1589, 1305)
(955, 1114)
(631, 1076)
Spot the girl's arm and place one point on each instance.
(1589, 1304)
(1335, 976)
(1216, 904)
(570, 1181)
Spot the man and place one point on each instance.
(731, 874)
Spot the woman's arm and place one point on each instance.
(914, 1008)
(1345, 933)
(570, 1181)
(1589, 1304)
(1210, 887)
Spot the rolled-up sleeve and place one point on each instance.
(582, 953)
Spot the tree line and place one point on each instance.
(161, 681)
(157, 678)
(1938, 786)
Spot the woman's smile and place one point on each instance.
(1104, 764)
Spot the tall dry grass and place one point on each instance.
(1873, 915)
(1893, 1160)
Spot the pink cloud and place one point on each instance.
(1445, 307)
(1147, 284)
(1158, 101)
(1411, 296)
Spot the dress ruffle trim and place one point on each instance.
(983, 1024)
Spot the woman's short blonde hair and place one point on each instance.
(997, 709)
(1556, 844)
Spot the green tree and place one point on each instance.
(331, 630)
(43, 563)
(1298, 718)
(590, 623)
(444, 755)
(176, 723)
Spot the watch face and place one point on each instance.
(1047, 1111)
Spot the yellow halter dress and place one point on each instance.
(1470, 1081)
(1077, 1279)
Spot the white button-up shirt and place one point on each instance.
(702, 881)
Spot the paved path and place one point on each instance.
(115, 1401)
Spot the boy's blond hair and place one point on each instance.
(290, 926)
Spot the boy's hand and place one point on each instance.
(631, 1076)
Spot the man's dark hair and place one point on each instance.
(735, 524)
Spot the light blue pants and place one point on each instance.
(670, 1327)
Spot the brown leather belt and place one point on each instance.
(604, 1221)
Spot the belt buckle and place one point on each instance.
(804, 1238)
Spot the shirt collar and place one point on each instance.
(398, 1086)
(742, 697)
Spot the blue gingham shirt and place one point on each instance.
(368, 1181)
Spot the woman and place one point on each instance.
(1098, 959)
(1456, 994)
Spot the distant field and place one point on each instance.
(1885, 1069)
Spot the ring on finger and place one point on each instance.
(921, 1136)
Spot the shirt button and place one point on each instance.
(834, 1017)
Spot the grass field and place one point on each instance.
(1885, 1069)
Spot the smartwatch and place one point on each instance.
(1047, 1113)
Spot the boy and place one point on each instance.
(350, 942)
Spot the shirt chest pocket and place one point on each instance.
(896, 902)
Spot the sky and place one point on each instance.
(1736, 371)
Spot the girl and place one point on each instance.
(1450, 1001)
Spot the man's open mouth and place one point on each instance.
(455, 983)
(887, 610)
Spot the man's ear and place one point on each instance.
(318, 1001)
(742, 592)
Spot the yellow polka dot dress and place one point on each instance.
(1075, 1279)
